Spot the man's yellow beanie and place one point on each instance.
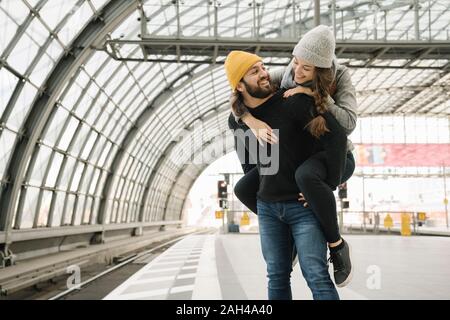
(237, 64)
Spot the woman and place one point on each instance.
(313, 71)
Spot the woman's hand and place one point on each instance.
(302, 198)
(261, 130)
(297, 90)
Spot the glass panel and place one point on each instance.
(104, 155)
(95, 211)
(111, 156)
(109, 128)
(93, 90)
(53, 11)
(98, 4)
(77, 177)
(37, 32)
(82, 79)
(100, 184)
(114, 212)
(123, 89)
(79, 211)
(59, 207)
(7, 84)
(80, 140)
(29, 208)
(94, 181)
(125, 214)
(70, 202)
(32, 3)
(97, 59)
(98, 146)
(121, 135)
(23, 53)
(119, 186)
(70, 163)
(86, 102)
(87, 210)
(54, 50)
(41, 164)
(87, 178)
(89, 144)
(71, 97)
(75, 23)
(22, 106)
(107, 71)
(129, 23)
(54, 169)
(6, 146)
(7, 30)
(42, 69)
(12, 14)
(56, 126)
(132, 96)
(68, 134)
(45, 209)
(134, 213)
(115, 80)
(94, 118)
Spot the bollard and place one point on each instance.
(406, 225)
(245, 219)
(388, 223)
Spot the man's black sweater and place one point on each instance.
(290, 116)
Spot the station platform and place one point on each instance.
(231, 267)
(441, 231)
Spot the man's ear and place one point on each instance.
(240, 87)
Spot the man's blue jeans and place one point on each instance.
(277, 220)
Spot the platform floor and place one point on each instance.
(231, 266)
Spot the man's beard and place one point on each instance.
(258, 91)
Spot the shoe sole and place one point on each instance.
(350, 276)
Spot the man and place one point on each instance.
(282, 218)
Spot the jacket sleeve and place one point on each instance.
(276, 76)
(239, 145)
(344, 105)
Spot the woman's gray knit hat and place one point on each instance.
(317, 47)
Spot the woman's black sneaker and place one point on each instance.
(341, 259)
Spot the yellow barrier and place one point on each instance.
(406, 225)
(245, 220)
(388, 222)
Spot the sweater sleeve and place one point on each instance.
(276, 76)
(344, 105)
(239, 145)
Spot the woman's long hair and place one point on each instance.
(323, 85)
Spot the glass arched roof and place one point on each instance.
(91, 111)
